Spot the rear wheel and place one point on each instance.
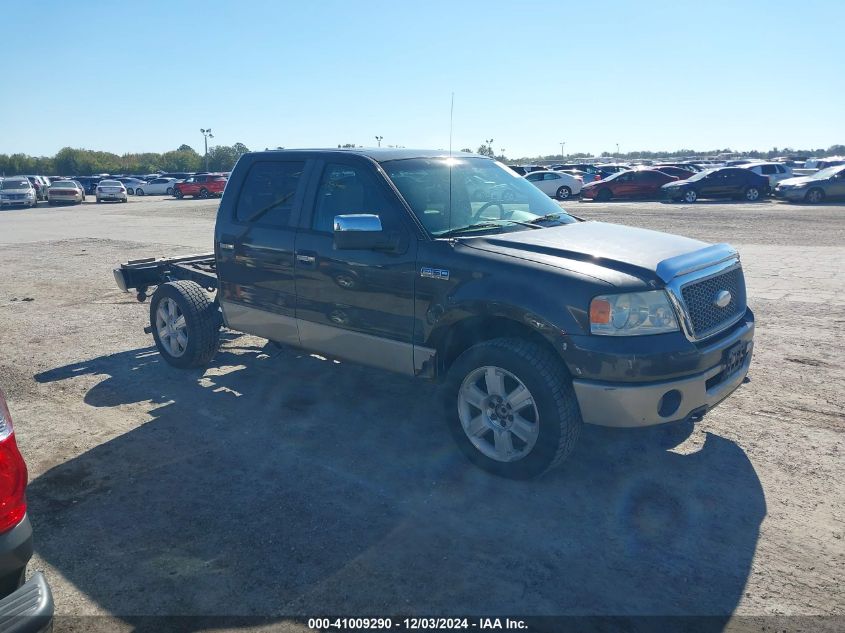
(169, 191)
(563, 193)
(139, 192)
(814, 196)
(204, 193)
(185, 324)
(690, 195)
(130, 191)
(752, 194)
(511, 408)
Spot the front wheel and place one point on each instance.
(185, 324)
(139, 192)
(204, 193)
(511, 408)
(814, 196)
(690, 196)
(563, 193)
(604, 195)
(178, 193)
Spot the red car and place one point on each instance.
(643, 183)
(201, 186)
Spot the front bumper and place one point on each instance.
(790, 194)
(616, 394)
(29, 609)
(18, 202)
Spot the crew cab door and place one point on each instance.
(254, 247)
(356, 304)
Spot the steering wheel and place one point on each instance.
(483, 208)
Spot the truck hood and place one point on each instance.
(591, 247)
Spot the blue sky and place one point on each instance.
(146, 76)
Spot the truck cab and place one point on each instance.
(532, 321)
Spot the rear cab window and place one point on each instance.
(268, 193)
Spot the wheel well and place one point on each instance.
(471, 331)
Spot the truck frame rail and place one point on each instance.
(140, 274)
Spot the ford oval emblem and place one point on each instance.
(723, 298)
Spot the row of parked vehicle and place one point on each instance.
(688, 182)
(28, 190)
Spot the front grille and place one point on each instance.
(700, 296)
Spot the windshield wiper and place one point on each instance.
(489, 224)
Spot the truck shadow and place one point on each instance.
(279, 484)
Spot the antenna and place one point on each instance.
(451, 118)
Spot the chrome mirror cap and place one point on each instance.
(357, 222)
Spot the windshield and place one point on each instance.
(460, 193)
(65, 184)
(823, 174)
(110, 183)
(15, 184)
(700, 175)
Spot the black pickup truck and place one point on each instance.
(455, 269)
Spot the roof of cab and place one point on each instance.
(378, 154)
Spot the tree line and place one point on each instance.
(70, 161)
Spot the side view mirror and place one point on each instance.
(362, 231)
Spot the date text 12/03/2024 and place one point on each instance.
(413, 624)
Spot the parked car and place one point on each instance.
(80, 185)
(677, 172)
(111, 190)
(722, 182)
(826, 184)
(535, 322)
(178, 175)
(775, 172)
(17, 191)
(131, 184)
(642, 183)
(688, 166)
(201, 186)
(817, 164)
(41, 184)
(157, 186)
(25, 607)
(65, 191)
(89, 183)
(556, 184)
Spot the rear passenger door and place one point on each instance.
(355, 304)
(255, 251)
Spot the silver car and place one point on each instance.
(111, 190)
(17, 192)
(824, 184)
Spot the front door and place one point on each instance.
(356, 304)
(255, 252)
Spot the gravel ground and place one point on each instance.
(278, 484)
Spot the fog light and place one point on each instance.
(669, 403)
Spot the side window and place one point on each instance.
(190, 180)
(534, 177)
(552, 177)
(768, 169)
(350, 189)
(268, 192)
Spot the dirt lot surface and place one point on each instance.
(276, 483)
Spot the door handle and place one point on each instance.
(226, 246)
(306, 258)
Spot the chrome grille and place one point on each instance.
(700, 298)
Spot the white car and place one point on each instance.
(65, 191)
(111, 190)
(17, 191)
(775, 172)
(157, 186)
(556, 184)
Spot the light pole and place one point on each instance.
(489, 142)
(378, 138)
(206, 135)
(617, 150)
(562, 143)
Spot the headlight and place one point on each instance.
(30, 194)
(632, 314)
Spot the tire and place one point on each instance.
(550, 420)
(178, 193)
(185, 324)
(130, 192)
(169, 191)
(563, 193)
(604, 195)
(204, 193)
(690, 196)
(139, 192)
(751, 194)
(98, 201)
(814, 195)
